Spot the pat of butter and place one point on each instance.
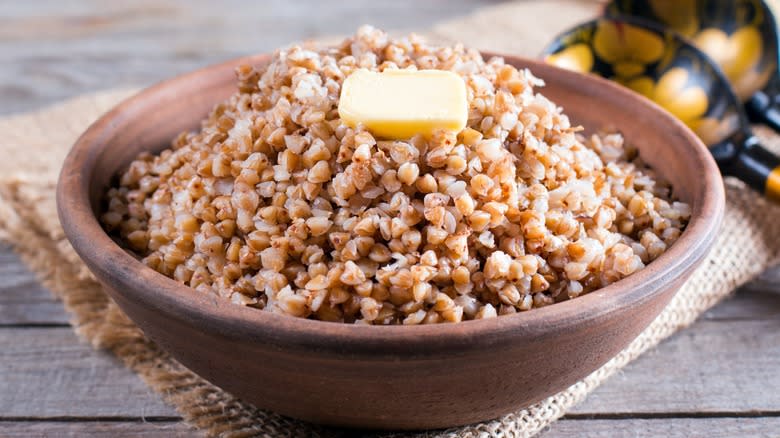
(398, 104)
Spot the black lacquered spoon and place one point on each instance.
(663, 66)
(739, 35)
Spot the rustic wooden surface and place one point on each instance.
(717, 379)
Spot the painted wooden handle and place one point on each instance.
(758, 167)
(762, 108)
(772, 187)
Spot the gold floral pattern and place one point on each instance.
(627, 48)
(643, 60)
(687, 103)
(737, 55)
(578, 57)
(671, 92)
(745, 51)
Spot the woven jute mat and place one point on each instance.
(33, 146)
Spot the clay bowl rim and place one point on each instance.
(129, 277)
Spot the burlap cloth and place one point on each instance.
(33, 146)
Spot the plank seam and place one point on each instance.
(98, 419)
(670, 415)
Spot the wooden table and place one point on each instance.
(718, 378)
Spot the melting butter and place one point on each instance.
(398, 104)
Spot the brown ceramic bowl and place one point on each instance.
(386, 377)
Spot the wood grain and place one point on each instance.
(768, 280)
(566, 428)
(665, 427)
(76, 47)
(751, 302)
(106, 429)
(22, 300)
(715, 367)
(47, 372)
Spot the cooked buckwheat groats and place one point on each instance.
(278, 205)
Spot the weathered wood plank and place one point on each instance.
(665, 427)
(47, 372)
(22, 299)
(712, 367)
(77, 429)
(75, 47)
(566, 428)
(752, 302)
(769, 280)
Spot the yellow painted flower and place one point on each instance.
(680, 15)
(578, 57)
(738, 56)
(686, 102)
(627, 48)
